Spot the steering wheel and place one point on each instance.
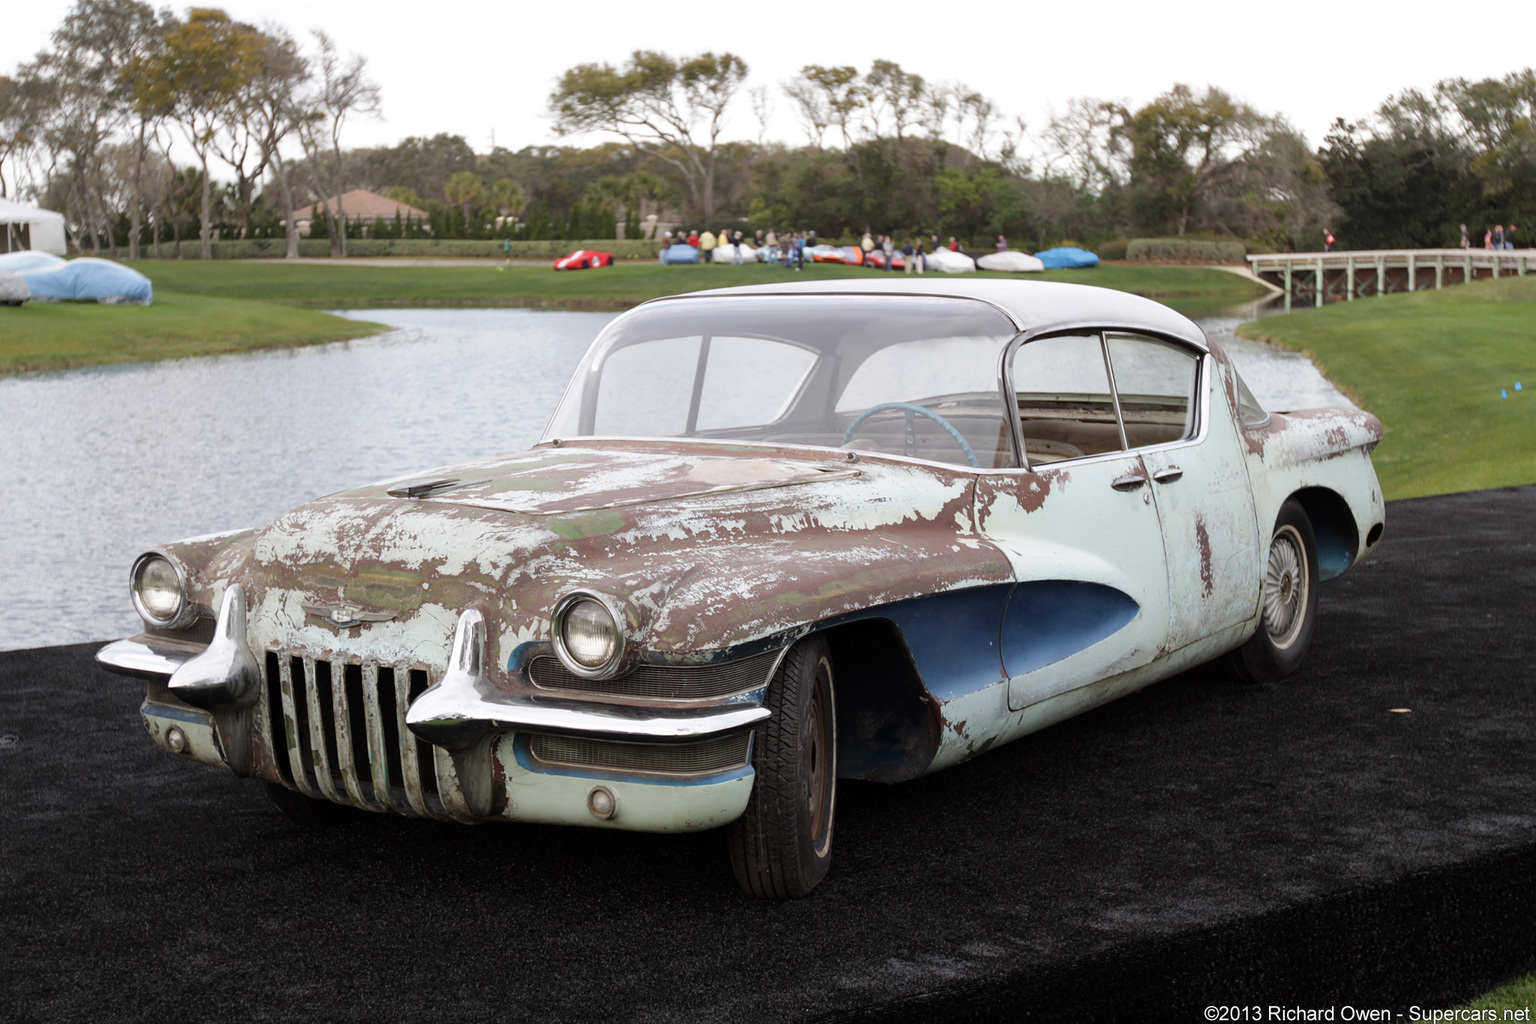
(912, 410)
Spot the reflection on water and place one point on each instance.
(99, 464)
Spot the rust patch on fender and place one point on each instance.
(1203, 541)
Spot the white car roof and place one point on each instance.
(1032, 305)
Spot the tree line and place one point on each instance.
(91, 125)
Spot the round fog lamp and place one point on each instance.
(157, 590)
(589, 634)
(601, 803)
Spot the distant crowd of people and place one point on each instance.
(1496, 237)
(789, 248)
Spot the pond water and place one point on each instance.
(99, 464)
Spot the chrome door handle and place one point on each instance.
(1129, 482)
(1168, 476)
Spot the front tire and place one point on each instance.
(781, 846)
(1287, 602)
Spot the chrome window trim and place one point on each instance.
(1102, 330)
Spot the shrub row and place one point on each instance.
(1184, 250)
(485, 248)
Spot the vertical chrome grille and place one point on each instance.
(338, 733)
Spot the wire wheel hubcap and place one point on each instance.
(1285, 588)
(817, 755)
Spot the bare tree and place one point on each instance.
(21, 120)
(1080, 140)
(810, 105)
(275, 107)
(762, 109)
(894, 93)
(343, 90)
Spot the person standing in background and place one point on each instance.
(1328, 240)
(693, 239)
(954, 246)
(1002, 244)
(1498, 236)
(917, 255)
(909, 258)
(888, 248)
(706, 247)
(1509, 237)
(1466, 241)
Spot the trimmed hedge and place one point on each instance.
(1114, 249)
(486, 248)
(1184, 250)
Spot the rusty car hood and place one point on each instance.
(563, 480)
(708, 545)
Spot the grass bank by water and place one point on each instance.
(61, 335)
(481, 283)
(1432, 365)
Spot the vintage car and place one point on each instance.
(773, 537)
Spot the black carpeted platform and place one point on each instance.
(1200, 843)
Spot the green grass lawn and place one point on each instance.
(1432, 366)
(1519, 994)
(485, 283)
(60, 335)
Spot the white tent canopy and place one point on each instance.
(27, 227)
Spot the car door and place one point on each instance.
(1179, 422)
(1078, 525)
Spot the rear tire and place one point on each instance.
(1287, 602)
(781, 846)
(303, 811)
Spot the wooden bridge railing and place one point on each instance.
(1345, 275)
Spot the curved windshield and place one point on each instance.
(898, 374)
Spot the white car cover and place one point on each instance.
(950, 262)
(13, 289)
(727, 253)
(1011, 262)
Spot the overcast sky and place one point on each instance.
(474, 67)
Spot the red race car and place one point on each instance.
(581, 259)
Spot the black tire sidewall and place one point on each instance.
(775, 850)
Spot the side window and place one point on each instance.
(1065, 407)
(1155, 381)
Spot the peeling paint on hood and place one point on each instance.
(564, 480)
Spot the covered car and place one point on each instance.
(1067, 257)
(584, 259)
(728, 252)
(30, 259)
(1011, 262)
(88, 278)
(13, 289)
(950, 262)
(772, 537)
(681, 252)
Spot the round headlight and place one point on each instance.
(158, 592)
(587, 635)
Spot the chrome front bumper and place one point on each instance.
(202, 705)
(456, 713)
